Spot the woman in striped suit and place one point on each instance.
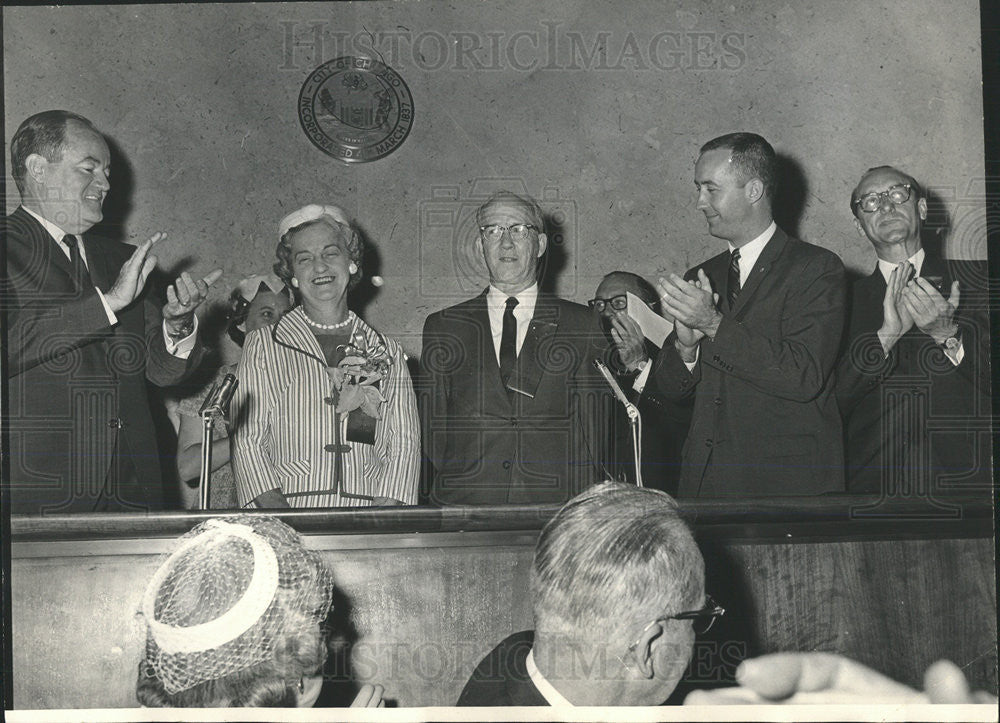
(325, 414)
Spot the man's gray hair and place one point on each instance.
(533, 212)
(612, 556)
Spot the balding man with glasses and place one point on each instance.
(914, 382)
(664, 422)
(618, 600)
(513, 409)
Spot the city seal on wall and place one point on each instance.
(356, 109)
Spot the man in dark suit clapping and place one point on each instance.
(914, 382)
(82, 334)
(757, 331)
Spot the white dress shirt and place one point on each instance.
(496, 304)
(917, 261)
(180, 349)
(551, 695)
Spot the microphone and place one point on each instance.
(634, 418)
(221, 395)
(609, 378)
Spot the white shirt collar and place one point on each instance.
(750, 252)
(54, 231)
(496, 303)
(552, 696)
(917, 260)
(525, 299)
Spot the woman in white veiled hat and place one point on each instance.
(238, 616)
(326, 414)
(256, 302)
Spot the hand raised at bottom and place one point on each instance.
(370, 696)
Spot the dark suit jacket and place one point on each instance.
(765, 420)
(77, 385)
(488, 446)
(914, 422)
(501, 678)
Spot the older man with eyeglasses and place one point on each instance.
(618, 598)
(629, 353)
(514, 412)
(914, 382)
(618, 595)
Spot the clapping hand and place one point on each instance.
(931, 312)
(693, 305)
(133, 274)
(896, 319)
(690, 302)
(183, 297)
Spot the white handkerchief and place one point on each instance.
(654, 327)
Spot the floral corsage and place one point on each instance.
(356, 377)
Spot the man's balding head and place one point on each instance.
(620, 282)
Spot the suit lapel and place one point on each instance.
(52, 254)
(544, 323)
(772, 250)
(717, 270)
(936, 266)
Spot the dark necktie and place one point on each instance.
(733, 288)
(508, 342)
(80, 273)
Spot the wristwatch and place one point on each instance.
(952, 342)
(633, 374)
(183, 332)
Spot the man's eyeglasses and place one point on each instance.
(703, 619)
(619, 303)
(518, 232)
(870, 202)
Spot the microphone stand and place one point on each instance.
(216, 405)
(634, 418)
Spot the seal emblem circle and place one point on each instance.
(355, 109)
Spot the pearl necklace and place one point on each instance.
(329, 327)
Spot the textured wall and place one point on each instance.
(598, 106)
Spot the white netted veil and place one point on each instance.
(230, 592)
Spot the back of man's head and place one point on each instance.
(614, 557)
(751, 156)
(44, 134)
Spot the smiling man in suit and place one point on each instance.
(515, 411)
(82, 334)
(757, 330)
(914, 383)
